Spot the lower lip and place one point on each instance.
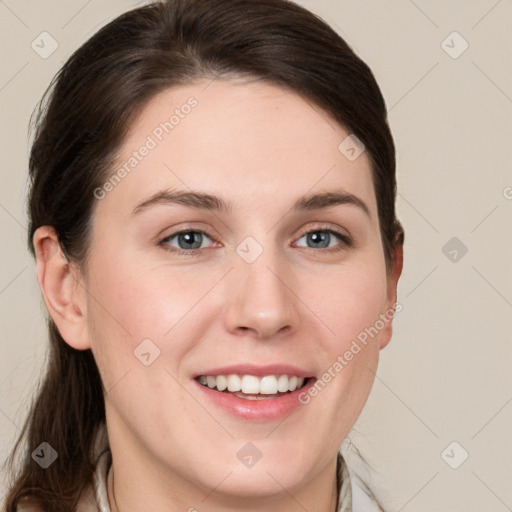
(256, 410)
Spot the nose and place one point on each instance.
(260, 297)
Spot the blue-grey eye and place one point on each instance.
(187, 240)
(321, 239)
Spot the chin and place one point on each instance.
(265, 475)
(260, 483)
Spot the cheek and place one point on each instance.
(132, 300)
(129, 305)
(348, 307)
(352, 301)
(353, 310)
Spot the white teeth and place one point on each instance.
(250, 384)
(268, 385)
(282, 384)
(222, 382)
(234, 383)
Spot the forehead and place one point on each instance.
(253, 142)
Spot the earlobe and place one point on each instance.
(63, 293)
(393, 305)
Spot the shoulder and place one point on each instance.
(87, 503)
(362, 498)
(356, 492)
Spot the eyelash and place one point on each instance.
(346, 241)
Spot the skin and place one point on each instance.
(259, 147)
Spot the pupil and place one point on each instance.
(320, 237)
(190, 238)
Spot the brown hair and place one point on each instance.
(80, 124)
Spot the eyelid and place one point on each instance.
(181, 228)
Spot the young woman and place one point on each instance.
(212, 214)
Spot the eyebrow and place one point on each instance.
(210, 202)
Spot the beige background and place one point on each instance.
(446, 374)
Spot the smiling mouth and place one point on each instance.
(250, 387)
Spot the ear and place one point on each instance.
(392, 305)
(62, 287)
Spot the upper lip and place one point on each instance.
(257, 371)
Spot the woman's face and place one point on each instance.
(242, 297)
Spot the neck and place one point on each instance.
(126, 494)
